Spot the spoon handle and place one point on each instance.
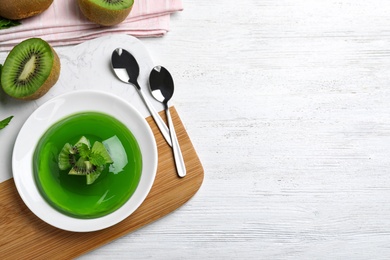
(160, 123)
(177, 154)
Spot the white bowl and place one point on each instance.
(53, 111)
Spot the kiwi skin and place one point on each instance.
(20, 9)
(46, 85)
(50, 81)
(101, 15)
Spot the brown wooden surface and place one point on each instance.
(25, 236)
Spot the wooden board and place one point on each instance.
(25, 236)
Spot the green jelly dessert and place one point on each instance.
(66, 189)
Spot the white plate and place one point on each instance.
(56, 109)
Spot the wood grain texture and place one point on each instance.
(25, 236)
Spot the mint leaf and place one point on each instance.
(97, 159)
(6, 23)
(5, 122)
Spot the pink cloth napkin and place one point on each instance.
(64, 24)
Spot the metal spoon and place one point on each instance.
(161, 87)
(126, 69)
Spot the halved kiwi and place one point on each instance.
(106, 12)
(30, 69)
(19, 9)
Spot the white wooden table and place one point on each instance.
(287, 103)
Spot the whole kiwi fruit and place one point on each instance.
(106, 12)
(30, 69)
(20, 9)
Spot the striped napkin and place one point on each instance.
(64, 24)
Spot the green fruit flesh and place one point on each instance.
(91, 178)
(79, 168)
(65, 158)
(114, 4)
(27, 67)
(98, 148)
(83, 140)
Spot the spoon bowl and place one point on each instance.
(161, 84)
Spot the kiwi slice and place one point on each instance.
(30, 69)
(66, 158)
(83, 140)
(106, 12)
(93, 173)
(83, 167)
(79, 168)
(99, 148)
(69, 153)
(81, 159)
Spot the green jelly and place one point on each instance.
(70, 194)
